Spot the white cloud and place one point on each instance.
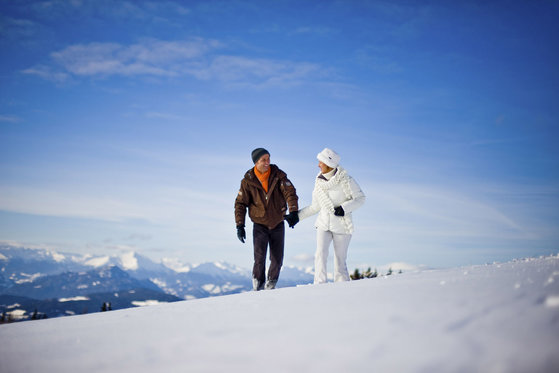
(151, 57)
(304, 259)
(60, 202)
(166, 6)
(154, 11)
(47, 73)
(164, 116)
(10, 118)
(17, 28)
(320, 31)
(139, 237)
(382, 60)
(257, 72)
(194, 57)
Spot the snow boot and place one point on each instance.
(271, 284)
(257, 285)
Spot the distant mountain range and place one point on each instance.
(35, 283)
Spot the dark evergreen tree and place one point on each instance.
(356, 275)
(370, 274)
(367, 274)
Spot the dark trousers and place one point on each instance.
(262, 236)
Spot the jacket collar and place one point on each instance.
(251, 177)
(321, 176)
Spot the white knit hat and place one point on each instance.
(329, 157)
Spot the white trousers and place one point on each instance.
(341, 244)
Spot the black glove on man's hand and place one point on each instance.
(292, 218)
(339, 211)
(241, 234)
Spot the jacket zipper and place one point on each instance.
(270, 189)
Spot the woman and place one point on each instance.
(335, 196)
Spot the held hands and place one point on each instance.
(339, 211)
(241, 234)
(292, 218)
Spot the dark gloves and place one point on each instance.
(292, 218)
(339, 211)
(241, 234)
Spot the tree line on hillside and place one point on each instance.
(7, 317)
(356, 275)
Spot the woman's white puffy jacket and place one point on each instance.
(340, 190)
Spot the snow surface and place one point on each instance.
(175, 265)
(149, 302)
(490, 318)
(56, 256)
(129, 261)
(98, 261)
(27, 278)
(73, 299)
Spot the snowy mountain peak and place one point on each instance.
(216, 268)
(57, 257)
(129, 261)
(97, 261)
(175, 265)
(23, 269)
(111, 271)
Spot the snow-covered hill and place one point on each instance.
(490, 318)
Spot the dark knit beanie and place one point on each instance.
(257, 153)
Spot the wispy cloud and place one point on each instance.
(47, 73)
(151, 10)
(164, 116)
(152, 57)
(257, 71)
(9, 118)
(320, 31)
(195, 57)
(17, 28)
(428, 211)
(379, 59)
(166, 6)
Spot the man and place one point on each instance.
(265, 191)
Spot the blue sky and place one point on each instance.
(127, 125)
